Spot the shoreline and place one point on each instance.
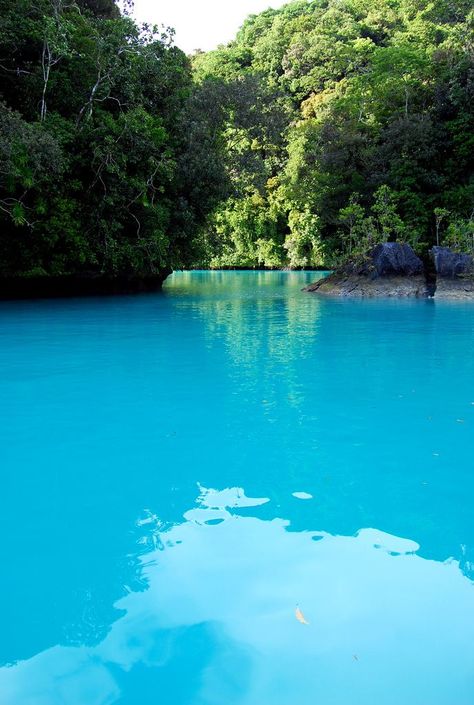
(70, 286)
(393, 270)
(256, 269)
(23, 288)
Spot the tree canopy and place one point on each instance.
(103, 143)
(378, 134)
(325, 126)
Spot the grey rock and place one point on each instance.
(392, 269)
(395, 259)
(449, 264)
(358, 285)
(459, 288)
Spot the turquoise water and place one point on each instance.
(180, 471)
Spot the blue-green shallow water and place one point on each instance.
(152, 548)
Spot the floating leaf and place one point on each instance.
(300, 616)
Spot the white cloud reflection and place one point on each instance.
(386, 626)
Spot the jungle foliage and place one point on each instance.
(108, 159)
(325, 126)
(378, 135)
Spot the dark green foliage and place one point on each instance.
(106, 165)
(326, 126)
(100, 8)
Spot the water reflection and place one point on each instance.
(368, 403)
(385, 624)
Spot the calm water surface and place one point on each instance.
(181, 470)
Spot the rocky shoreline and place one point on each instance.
(394, 270)
(346, 285)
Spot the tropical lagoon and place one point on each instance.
(236, 336)
(236, 492)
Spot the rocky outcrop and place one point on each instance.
(392, 269)
(345, 285)
(454, 274)
(460, 288)
(395, 259)
(449, 264)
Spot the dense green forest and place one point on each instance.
(378, 144)
(326, 126)
(103, 144)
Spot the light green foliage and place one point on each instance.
(379, 135)
(353, 219)
(363, 231)
(460, 236)
(390, 225)
(246, 234)
(303, 245)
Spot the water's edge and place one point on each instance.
(67, 286)
(45, 287)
